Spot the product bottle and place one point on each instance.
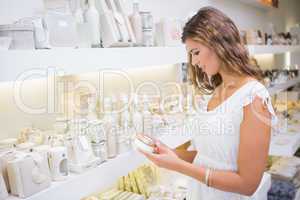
(136, 21)
(82, 26)
(120, 21)
(137, 117)
(110, 126)
(93, 20)
(147, 119)
(126, 133)
(92, 103)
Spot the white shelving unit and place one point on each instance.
(78, 186)
(285, 144)
(74, 61)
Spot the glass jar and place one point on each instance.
(147, 20)
(125, 135)
(148, 37)
(100, 150)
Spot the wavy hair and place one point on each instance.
(217, 31)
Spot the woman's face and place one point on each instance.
(203, 57)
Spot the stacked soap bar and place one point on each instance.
(140, 180)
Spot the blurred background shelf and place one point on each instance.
(257, 4)
(283, 86)
(272, 49)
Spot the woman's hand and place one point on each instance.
(163, 157)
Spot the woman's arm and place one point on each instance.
(252, 157)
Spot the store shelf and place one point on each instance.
(284, 145)
(281, 87)
(105, 175)
(257, 4)
(74, 61)
(272, 49)
(99, 178)
(288, 142)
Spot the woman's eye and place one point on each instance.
(196, 53)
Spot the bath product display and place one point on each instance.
(41, 34)
(144, 143)
(110, 122)
(136, 185)
(22, 35)
(147, 20)
(5, 157)
(80, 154)
(136, 22)
(84, 38)
(147, 117)
(3, 189)
(167, 192)
(120, 4)
(58, 163)
(100, 150)
(5, 43)
(28, 174)
(62, 29)
(115, 194)
(148, 37)
(25, 147)
(120, 21)
(110, 34)
(141, 180)
(8, 143)
(168, 32)
(92, 18)
(31, 135)
(61, 125)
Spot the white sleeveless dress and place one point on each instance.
(217, 137)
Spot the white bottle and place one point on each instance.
(120, 21)
(110, 125)
(137, 121)
(126, 133)
(136, 22)
(84, 40)
(147, 119)
(93, 20)
(137, 117)
(79, 13)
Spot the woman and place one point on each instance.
(233, 142)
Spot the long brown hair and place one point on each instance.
(217, 31)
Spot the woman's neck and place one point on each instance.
(229, 80)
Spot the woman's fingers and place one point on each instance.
(150, 156)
